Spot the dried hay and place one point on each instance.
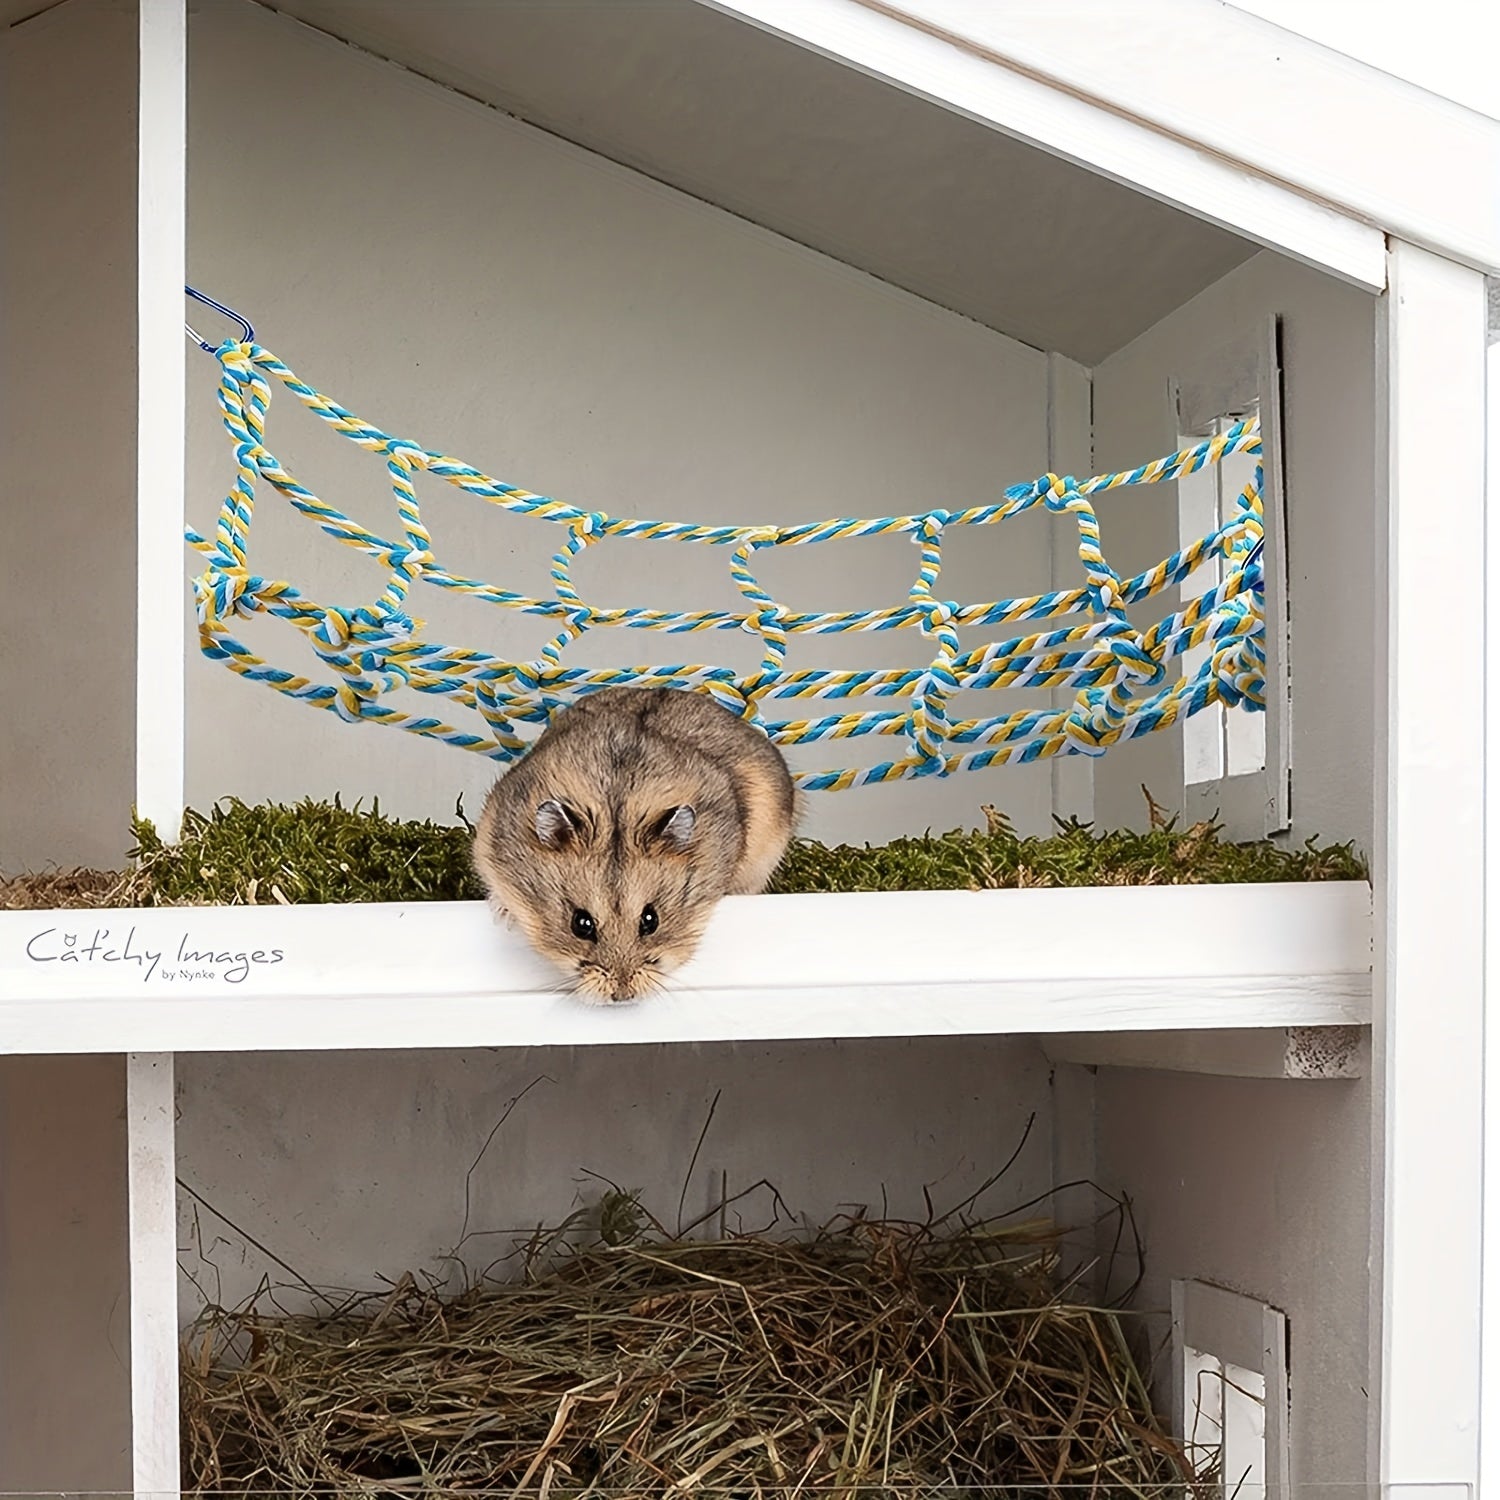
(872, 1357)
(59, 889)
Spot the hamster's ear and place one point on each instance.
(555, 825)
(675, 828)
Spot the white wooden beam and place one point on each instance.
(1267, 1052)
(1489, 1426)
(161, 432)
(151, 1108)
(1430, 874)
(1069, 125)
(1262, 98)
(896, 963)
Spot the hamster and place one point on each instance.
(612, 839)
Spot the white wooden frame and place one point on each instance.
(989, 87)
(1431, 962)
(905, 963)
(1241, 1331)
(1250, 96)
(1258, 803)
(161, 715)
(161, 437)
(151, 1114)
(1489, 1412)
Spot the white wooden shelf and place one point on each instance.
(275, 978)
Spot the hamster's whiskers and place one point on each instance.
(651, 981)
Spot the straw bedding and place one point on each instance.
(877, 1357)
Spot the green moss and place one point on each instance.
(310, 851)
(325, 852)
(1075, 855)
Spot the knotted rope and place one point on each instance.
(1118, 673)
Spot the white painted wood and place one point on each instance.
(1068, 124)
(1244, 1463)
(1226, 1421)
(882, 964)
(753, 942)
(1237, 765)
(151, 1115)
(160, 715)
(1445, 46)
(1276, 1368)
(1430, 883)
(1489, 1417)
(1070, 450)
(1261, 97)
(1217, 1333)
(536, 1018)
(1320, 1052)
(1330, 402)
(1201, 1401)
(1277, 730)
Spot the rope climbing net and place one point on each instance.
(1119, 675)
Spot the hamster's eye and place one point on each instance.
(583, 926)
(648, 921)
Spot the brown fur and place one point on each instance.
(583, 822)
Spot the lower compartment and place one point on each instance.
(349, 1169)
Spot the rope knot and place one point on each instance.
(223, 592)
(765, 620)
(332, 631)
(348, 704)
(935, 684)
(1057, 493)
(1134, 660)
(1108, 599)
(1082, 735)
(375, 628)
(406, 453)
(940, 614)
(1240, 672)
(412, 560)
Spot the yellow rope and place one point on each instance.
(1119, 673)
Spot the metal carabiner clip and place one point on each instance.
(247, 332)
